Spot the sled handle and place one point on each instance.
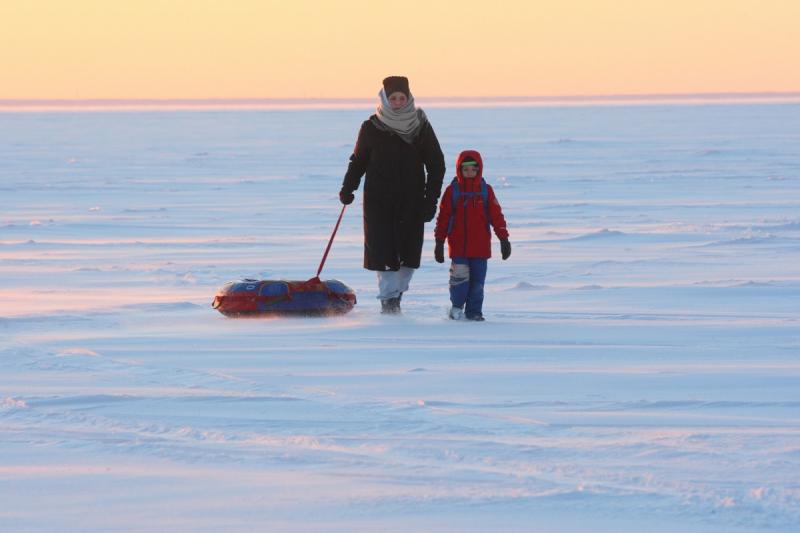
(330, 241)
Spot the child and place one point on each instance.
(467, 209)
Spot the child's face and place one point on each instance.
(398, 100)
(469, 171)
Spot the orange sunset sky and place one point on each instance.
(163, 49)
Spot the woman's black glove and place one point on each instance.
(430, 211)
(438, 252)
(505, 249)
(346, 197)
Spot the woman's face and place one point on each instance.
(398, 100)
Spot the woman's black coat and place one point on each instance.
(398, 198)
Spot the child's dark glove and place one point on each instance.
(505, 249)
(438, 252)
(346, 197)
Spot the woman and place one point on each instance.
(395, 148)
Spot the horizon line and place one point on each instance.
(34, 103)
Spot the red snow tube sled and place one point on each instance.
(250, 297)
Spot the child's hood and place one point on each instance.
(474, 154)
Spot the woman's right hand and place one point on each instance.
(346, 197)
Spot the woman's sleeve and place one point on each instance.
(433, 158)
(497, 219)
(358, 161)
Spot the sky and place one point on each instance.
(168, 49)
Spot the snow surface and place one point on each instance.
(639, 369)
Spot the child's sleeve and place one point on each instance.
(443, 218)
(496, 217)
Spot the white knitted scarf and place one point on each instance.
(405, 122)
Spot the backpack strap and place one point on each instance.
(485, 196)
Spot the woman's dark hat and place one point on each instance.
(396, 84)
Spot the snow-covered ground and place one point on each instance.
(639, 369)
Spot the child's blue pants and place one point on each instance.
(467, 276)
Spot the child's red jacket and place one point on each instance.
(470, 236)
